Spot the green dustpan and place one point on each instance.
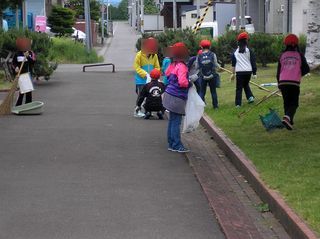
(33, 108)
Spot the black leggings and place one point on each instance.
(243, 83)
(28, 98)
(290, 95)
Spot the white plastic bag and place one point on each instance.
(194, 111)
(25, 83)
(148, 78)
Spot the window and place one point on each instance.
(193, 15)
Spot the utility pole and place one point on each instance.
(142, 16)
(88, 25)
(17, 17)
(237, 15)
(138, 16)
(102, 22)
(174, 6)
(107, 15)
(24, 15)
(198, 9)
(242, 7)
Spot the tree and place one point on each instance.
(150, 7)
(120, 12)
(78, 7)
(61, 20)
(313, 34)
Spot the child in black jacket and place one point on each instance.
(23, 54)
(152, 93)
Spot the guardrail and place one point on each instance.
(98, 65)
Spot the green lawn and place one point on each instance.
(65, 50)
(288, 161)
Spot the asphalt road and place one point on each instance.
(86, 169)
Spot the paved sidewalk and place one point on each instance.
(87, 169)
(234, 202)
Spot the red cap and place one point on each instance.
(205, 43)
(291, 40)
(199, 52)
(155, 74)
(243, 35)
(179, 50)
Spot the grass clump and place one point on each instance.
(66, 51)
(288, 161)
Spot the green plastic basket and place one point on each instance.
(271, 120)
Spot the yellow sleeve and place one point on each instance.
(156, 62)
(137, 66)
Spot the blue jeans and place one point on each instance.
(213, 89)
(174, 137)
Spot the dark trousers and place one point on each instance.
(243, 84)
(290, 95)
(28, 98)
(213, 89)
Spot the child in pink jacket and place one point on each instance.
(175, 96)
(292, 66)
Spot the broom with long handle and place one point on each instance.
(259, 102)
(6, 106)
(251, 82)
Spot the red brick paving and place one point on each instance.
(231, 198)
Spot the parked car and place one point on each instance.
(248, 24)
(209, 29)
(77, 34)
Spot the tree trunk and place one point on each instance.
(313, 34)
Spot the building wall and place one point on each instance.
(255, 9)
(189, 21)
(299, 16)
(224, 14)
(36, 7)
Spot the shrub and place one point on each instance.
(225, 46)
(265, 47)
(41, 45)
(65, 50)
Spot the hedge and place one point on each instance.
(267, 47)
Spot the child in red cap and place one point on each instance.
(208, 65)
(292, 66)
(244, 65)
(152, 92)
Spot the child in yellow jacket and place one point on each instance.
(145, 61)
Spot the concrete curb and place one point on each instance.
(292, 223)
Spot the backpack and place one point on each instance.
(207, 65)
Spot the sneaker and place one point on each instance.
(170, 149)
(238, 106)
(160, 115)
(147, 115)
(251, 100)
(140, 114)
(286, 122)
(182, 150)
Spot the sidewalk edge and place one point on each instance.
(292, 223)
